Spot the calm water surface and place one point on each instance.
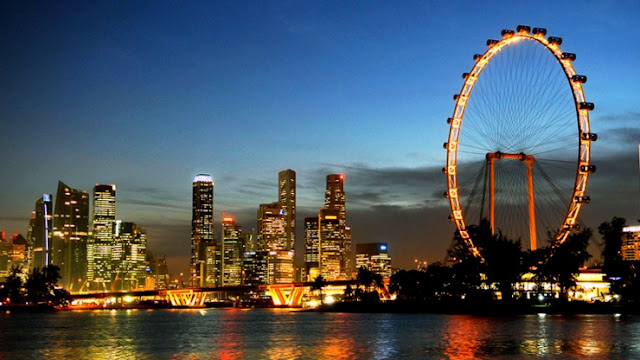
(281, 334)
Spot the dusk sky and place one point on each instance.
(146, 95)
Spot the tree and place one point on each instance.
(318, 284)
(504, 263)
(42, 287)
(565, 260)
(13, 287)
(614, 267)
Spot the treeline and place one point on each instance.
(38, 287)
(505, 264)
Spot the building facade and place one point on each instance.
(232, 252)
(330, 240)
(631, 243)
(287, 199)
(375, 258)
(202, 229)
(70, 236)
(41, 226)
(99, 248)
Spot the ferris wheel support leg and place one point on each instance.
(490, 159)
(532, 209)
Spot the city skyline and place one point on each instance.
(146, 97)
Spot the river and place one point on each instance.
(283, 334)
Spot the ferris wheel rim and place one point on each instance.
(585, 137)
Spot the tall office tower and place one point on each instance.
(41, 233)
(271, 225)
(129, 257)
(99, 267)
(201, 228)
(271, 229)
(255, 268)
(159, 272)
(232, 252)
(249, 241)
(287, 199)
(311, 248)
(70, 235)
(347, 253)
(330, 239)
(212, 266)
(335, 199)
(374, 256)
(30, 239)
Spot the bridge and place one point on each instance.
(282, 295)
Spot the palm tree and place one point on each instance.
(318, 284)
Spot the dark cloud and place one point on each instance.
(619, 137)
(624, 117)
(162, 204)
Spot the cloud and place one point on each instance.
(630, 116)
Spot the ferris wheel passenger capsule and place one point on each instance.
(589, 136)
(555, 40)
(539, 31)
(523, 29)
(477, 56)
(588, 168)
(492, 42)
(568, 56)
(579, 78)
(464, 75)
(583, 199)
(507, 33)
(587, 106)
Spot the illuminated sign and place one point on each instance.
(46, 197)
(203, 178)
(330, 217)
(634, 228)
(383, 247)
(281, 212)
(228, 218)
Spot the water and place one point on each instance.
(281, 334)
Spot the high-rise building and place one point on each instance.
(630, 248)
(129, 256)
(255, 268)
(212, 265)
(41, 231)
(232, 252)
(374, 257)
(330, 239)
(311, 248)
(99, 248)
(70, 235)
(202, 230)
(335, 199)
(271, 225)
(20, 251)
(287, 199)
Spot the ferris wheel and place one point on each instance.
(519, 146)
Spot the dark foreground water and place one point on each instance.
(281, 334)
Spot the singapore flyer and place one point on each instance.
(519, 145)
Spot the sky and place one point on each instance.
(148, 94)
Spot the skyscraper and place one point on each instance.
(99, 265)
(271, 226)
(70, 235)
(232, 252)
(202, 235)
(335, 199)
(311, 248)
(330, 239)
(287, 199)
(41, 232)
(129, 256)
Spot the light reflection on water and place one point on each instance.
(281, 334)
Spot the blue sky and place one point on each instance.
(148, 94)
